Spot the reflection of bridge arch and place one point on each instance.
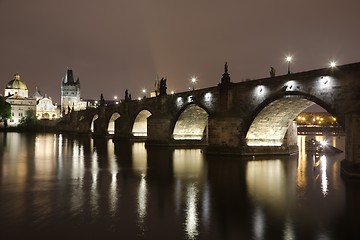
(111, 124)
(92, 122)
(139, 128)
(274, 117)
(191, 123)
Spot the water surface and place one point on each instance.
(70, 187)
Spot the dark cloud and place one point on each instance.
(112, 45)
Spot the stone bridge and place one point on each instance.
(245, 118)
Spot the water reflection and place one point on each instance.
(191, 219)
(142, 202)
(267, 181)
(61, 185)
(259, 223)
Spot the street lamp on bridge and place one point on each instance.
(332, 64)
(193, 81)
(289, 59)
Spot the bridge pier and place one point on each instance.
(158, 130)
(350, 167)
(122, 129)
(224, 135)
(100, 125)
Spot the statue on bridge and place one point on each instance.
(102, 100)
(163, 87)
(126, 95)
(272, 72)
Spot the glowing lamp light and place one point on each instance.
(288, 59)
(193, 81)
(332, 64)
(139, 98)
(207, 96)
(144, 90)
(172, 92)
(323, 143)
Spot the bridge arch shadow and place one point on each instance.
(111, 123)
(269, 123)
(190, 123)
(92, 123)
(139, 128)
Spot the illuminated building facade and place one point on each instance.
(16, 94)
(70, 94)
(45, 109)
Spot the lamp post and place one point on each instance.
(288, 59)
(193, 81)
(144, 92)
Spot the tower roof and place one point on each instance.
(69, 78)
(16, 83)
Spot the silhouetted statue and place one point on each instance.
(69, 110)
(225, 80)
(272, 72)
(126, 95)
(163, 87)
(102, 100)
(130, 96)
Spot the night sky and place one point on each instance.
(114, 44)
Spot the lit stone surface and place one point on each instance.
(140, 123)
(271, 124)
(191, 124)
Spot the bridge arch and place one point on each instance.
(139, 128)
(273, 117)
(111, 123)
(191, 123)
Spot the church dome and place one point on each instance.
(16, 83)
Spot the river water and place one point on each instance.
(73, 187)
